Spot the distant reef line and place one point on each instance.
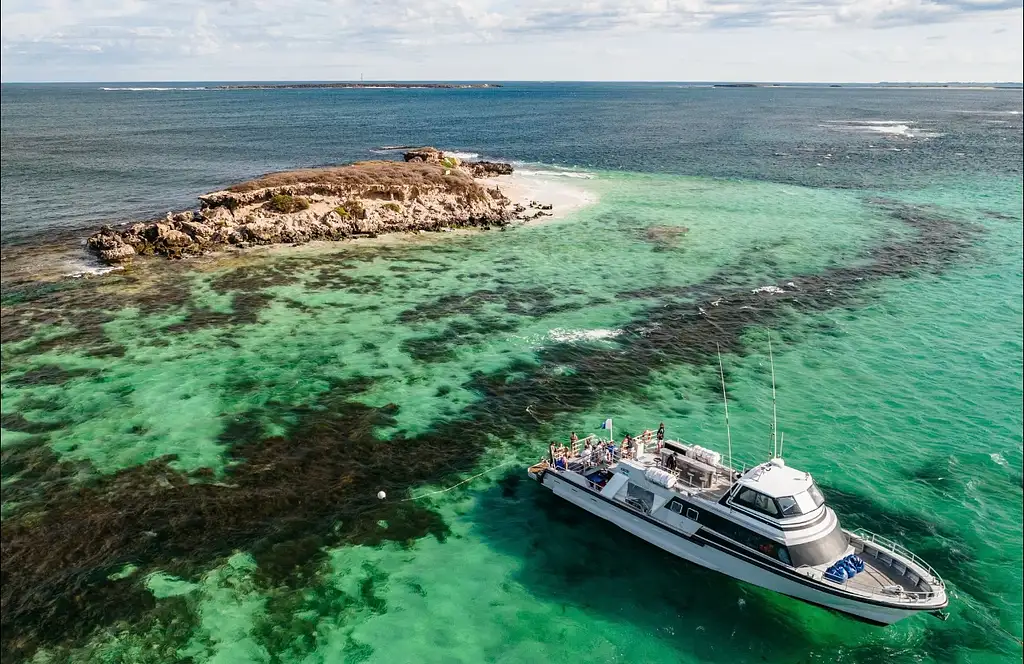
(308, 86)
(428, 191)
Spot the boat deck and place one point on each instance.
(716, 480)
(876, 578)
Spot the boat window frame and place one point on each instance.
(796, 511)
(743, 536)
(735, 499)
(817, 497)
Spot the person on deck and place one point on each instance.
(661, 434)
(551, 452)
(573, 438)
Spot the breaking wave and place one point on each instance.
(558, 173)
(562, 335)
(895, 128)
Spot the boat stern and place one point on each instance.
(537, 470)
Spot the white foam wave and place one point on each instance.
(562, 335)
(583, 175)
(998, 458)
(769, 289)
(95, 271)
(150, 89)
(461, 155)
(900, 128)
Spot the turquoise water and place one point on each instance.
(192, 450)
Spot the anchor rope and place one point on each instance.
(468, 479)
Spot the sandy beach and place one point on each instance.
(565, 195)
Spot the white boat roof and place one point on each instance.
(776, 479)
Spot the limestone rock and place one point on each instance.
(427, 155)
(428, 191)
(486, 169)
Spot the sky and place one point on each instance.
(579, 40)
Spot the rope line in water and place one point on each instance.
(468, 479)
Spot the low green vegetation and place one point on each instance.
(342, 212)
(355, 209)
(449, 162)
(286, 204)
(394, 207)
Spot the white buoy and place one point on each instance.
(381, 495)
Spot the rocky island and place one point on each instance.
(428, 191)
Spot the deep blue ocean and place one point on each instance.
(76, 155)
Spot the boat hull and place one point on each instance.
(706, 552)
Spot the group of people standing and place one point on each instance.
(603, 451)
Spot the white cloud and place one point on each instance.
(275, 39)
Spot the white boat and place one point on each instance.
(768, 526)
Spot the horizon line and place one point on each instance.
(501, 81)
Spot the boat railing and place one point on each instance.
(866, 536)
(900, 595)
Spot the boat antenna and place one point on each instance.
(725, 398)
(775, 419)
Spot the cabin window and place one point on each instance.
(749, 538)
(639, 497)
(734, 531)
(789, 507)
(816, 496)
(756, 501)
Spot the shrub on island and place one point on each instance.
(286, 204)
(355, 209)
(394, 207)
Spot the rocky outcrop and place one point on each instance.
(486, 169)
(426, 155)
(429, 191)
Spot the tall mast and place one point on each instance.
(725, 398)
(775, 419)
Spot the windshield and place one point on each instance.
(816, 496)
(789, 506)
(802, 503)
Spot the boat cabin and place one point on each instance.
(776, 491)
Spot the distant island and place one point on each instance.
(428, 191)
(308, 86)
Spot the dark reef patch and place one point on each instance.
(288, 497)
(533, 302)
(443, 344)
(285, 500)
(49, 374)
(249, 278)
(17, 422)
